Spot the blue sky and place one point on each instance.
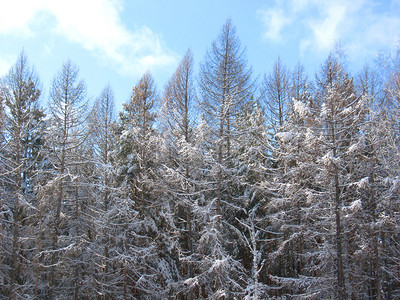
(115, 41)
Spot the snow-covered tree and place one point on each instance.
(294, 214)
(182, 157)
(225, 83)
(342, 113)
(64, 198)
(19, 160)
(102, 123)
(139, 213)
(290, 194)
(313, 191)
(135, 151)
(226, 90)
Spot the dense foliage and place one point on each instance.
(221, 187)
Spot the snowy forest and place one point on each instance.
(222, 185)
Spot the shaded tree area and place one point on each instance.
(218, 187)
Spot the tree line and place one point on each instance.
(220, 187)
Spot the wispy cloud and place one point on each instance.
(326, 29)
(93, 24)
(274, 21)
(361, 25)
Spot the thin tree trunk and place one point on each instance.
(340, 271)
(78, 253)
(38, 250)
(378, 281)
(60, 193)
(219, 173)
(338, 236)
(15, 269)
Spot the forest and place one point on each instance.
(223, 185)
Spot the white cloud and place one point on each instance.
(299, 5)
(363, 26)
(274, 21)
(15, 16)
(95, 25)
(326, 30)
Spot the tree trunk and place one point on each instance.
(378, 281)
(340, 271)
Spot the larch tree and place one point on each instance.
(331, 70)
(370, 171)
(386, 130)
(311, 201)
(2, 113)
(138, 211)
(342, 114)
(294, 212)
(136, 131)
(19, 156)
(285, 190)
(102, 122)
(250, 224)
(64, 197)
(182, 156)
(276, 93)
(225, 86)
(392, 89)
(300, 86)
(369, 83)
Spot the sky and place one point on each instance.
(114, 42)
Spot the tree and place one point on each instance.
(311, 200)
(178, 101)
(19, 155)
(64, 196)
(341, 114)
(390, 71)
(276, 92)
(331, 70)
(178, 131)
(340, 118)
(226, 87)
(296, 217)
(379, 186)
(102, 122)
(136, 137)
(369, 84)
(2, 113)
(139, 211)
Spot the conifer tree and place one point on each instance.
(226, 87)
(20, 156)
(102, 122)
(64, 196)
(276, 92)
(139, 212)
(180, 172)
